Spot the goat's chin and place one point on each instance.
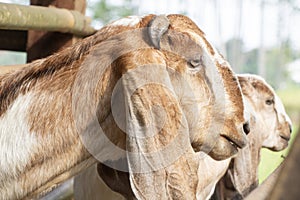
(223, 149)
(282, 144)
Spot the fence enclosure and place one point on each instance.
(35, 29)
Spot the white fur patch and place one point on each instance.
(217, 57)
(248, 109)
(16, 141)
(210, 172)
(212, 72)
(280, 109)
(127, 21)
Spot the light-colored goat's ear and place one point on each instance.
(156, 131)
(176, 181)
(157, 27)
(246, 84)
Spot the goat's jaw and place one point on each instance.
(228, 143)
(279, 148)
(221, 143)
(284, 143)
(279, 139)
(223, 149)
(281, 143)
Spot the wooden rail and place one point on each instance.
(20, 17)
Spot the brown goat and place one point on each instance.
(155, 78)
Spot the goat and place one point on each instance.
(270, 127)
(283, 182)
(58, 114)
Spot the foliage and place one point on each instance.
(104, 11)
(250, 65)
(290, 97)
(276, 59)
(234, 49)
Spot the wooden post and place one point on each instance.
(40, 43)
(20, 17)
(13, 40)
(287, 184)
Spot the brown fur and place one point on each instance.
(51, 79)
(175, 61)
(119, 181)
(232, 87)
(51, 82)
(189, 25)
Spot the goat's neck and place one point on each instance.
(38, 143)
(245, 169)
(39, 138)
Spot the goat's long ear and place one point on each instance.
(157, 131)
(157, 27)
(246, 84)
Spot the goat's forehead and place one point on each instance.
(261, 85)
(221, 68)
(177, 21)
(184, 23)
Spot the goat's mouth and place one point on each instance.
(281, 144)
(284, 137)
(235, 143)
(225, 147)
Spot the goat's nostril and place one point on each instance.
(246, 128)
(291, 128)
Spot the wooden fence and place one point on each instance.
(63, 26)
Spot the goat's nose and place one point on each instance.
(291, 128)
(246, 127)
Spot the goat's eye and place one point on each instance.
(269, 101)
(196, 62)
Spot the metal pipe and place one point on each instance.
(20, 17)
